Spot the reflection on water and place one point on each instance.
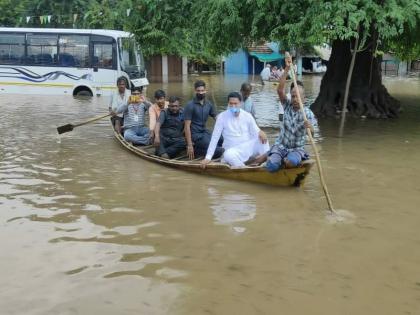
(231, 206)
(87, 227)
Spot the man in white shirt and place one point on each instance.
(118, 99)
(242, 139)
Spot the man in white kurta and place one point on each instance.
(242, 139)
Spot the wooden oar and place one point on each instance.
(70, 127)
(308, 131)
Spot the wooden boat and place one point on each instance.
(258, 174)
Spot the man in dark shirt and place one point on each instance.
(196, 113)
(169, 130)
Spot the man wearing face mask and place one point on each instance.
(196, 113)
(242, 139)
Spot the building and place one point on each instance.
(165, 67)
(252, 60)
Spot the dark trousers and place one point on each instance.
(201, 143)
(171, 146)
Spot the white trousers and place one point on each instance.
(237, 155)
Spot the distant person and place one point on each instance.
(119, 98)
(289, 72)
(169, 130)
(266, 72)
(280, 72)
(288, 151)
(247, 104)
(242, 139)
(196, 113)
(274, 74)
(155, 110)
(135, 130)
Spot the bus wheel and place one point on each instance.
(84, 93)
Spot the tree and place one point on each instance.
(170, 27)
(10, 12)
(162, 26)
(377, 23)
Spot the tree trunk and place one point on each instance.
(367, 96)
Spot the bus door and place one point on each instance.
(104, 63)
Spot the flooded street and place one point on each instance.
(89, 228)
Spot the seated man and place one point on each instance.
(169, 130)
(134, 111)
(196, 113)
(242, 139)
(155, 110)
(288, 150)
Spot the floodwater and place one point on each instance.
(88, 228)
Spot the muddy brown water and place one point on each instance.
(88, 228)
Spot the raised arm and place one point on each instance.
(281, 90)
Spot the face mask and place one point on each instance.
(199, 96)
(234, 110)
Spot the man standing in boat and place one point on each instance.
(196, 113)
(242, 139)
(119, 98)
(169, 131)
(288, 151)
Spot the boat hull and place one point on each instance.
(256, 174)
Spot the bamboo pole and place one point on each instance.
(315, 149)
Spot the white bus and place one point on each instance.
(68, 61)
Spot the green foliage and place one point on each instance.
(10, 12)
(203, 30)
(407, 46)
(237, 23)
(162, 27)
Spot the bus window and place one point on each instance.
(12, 49)
(42, 49)
(73, 51)
(102, 55)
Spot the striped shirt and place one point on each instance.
(293, 133)
(134, 114)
